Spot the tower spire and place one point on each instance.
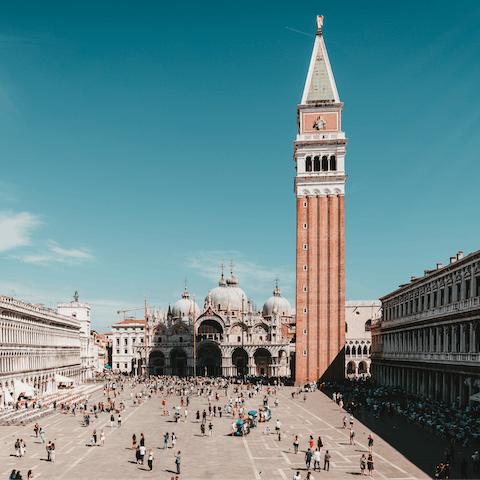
(320, 85)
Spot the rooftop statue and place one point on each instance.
(319, 22)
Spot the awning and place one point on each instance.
(7, 398)
(22, 389)
(476, 397)
(108, 367)
(61, 379)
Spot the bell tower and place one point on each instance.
(319, 154)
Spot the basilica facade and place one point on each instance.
(225, 336)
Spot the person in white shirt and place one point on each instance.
(277, 426)
(316, 459)
(143, 451)
(297, 476)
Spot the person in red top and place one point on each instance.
(163, 404)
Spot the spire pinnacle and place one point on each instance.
(319, 24)
(231, 267)
(320, 85)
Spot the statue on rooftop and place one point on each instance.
(76, 296)
(319, 22)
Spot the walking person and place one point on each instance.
(370, 443)
(150, 459)
(143, 452)
(210, 429)
(308, 458)
(52, 452)
(17, 447)
(142, 439)
(134, 441)
(112, 420)
(174, 440)
(370, 466)
(352, 437)
(48, 448)
(30, 474)
(295, 444)
(36, 428)
(119, 421)
(102, 438)
(326, 461)
(319, 444)
(178, 459)
(344, 422)
(94, 437)
(165, 441)
(42, 435)
(316, 460)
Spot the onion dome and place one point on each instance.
(277, 305)
(184, 306)
(232, 279)
(226, 296)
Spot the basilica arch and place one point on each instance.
(240, 361)
(209, 360)
(157, 363)
(263, 360)
(178, 362)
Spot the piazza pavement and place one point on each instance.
(256, 456)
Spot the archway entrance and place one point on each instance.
(178, 362)
(240, 360)
(350, 368)
(156, 364)
(362, 367)
(263, 360)
(209, 361)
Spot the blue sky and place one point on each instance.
(142, 142)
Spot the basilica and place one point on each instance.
(223, 337)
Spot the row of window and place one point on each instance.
(357, 351)
(444, 296)
(323, 164)
(125, 340)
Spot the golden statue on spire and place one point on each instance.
(319, 22)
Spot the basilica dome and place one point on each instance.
(228, 295)
(184, 306)
(277, 305)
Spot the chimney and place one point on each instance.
(412, 279)
(426, 272)
(439, 265)
(453, 259)
(459, 255)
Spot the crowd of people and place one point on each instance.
(458, 425)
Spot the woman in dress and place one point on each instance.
(371, 469)
(363, 464)
(311, 443)
(319, 444)
(52, 452)
(102, 438)
(370, 443)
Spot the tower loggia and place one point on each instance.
(319, 153)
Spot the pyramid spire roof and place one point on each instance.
(320, 85)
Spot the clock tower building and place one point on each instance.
(319, 154)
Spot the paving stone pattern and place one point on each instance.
(257, 456)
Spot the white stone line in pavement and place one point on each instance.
(252, 461)
(282, 473)
(359, 444)
(284, 455)
(345, 458)
(71, 450)
(65, 446)
(74, 464)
